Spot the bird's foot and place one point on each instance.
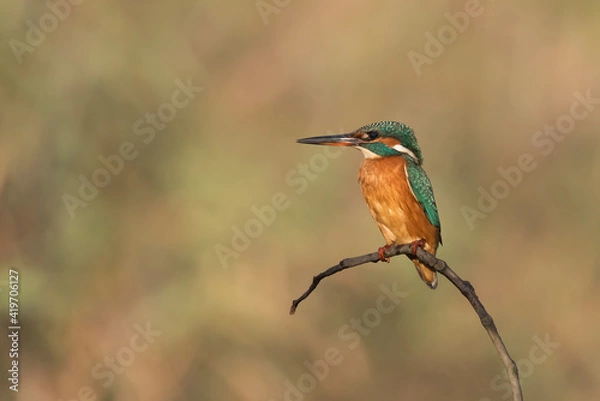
(415, 244)
(381, 253)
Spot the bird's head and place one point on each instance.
(380, 139)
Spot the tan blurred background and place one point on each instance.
(144, 289)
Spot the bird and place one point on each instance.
(396, 188)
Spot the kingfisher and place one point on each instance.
(396, 188)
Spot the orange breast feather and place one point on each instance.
(397, 212)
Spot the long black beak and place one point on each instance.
(331, 140)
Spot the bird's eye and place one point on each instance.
(371, 135)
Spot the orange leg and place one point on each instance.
(415, 244)
(381, 252)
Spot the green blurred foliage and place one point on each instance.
(145, 247)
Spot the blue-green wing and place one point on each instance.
(421, 187)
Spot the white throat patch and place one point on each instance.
(367, 153)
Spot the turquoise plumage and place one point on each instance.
(421, 187)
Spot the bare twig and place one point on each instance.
(441, 267)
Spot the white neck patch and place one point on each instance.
(404, 150)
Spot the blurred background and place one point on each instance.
(162, 218)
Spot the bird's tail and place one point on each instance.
(427, 275)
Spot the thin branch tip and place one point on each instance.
(439, 265)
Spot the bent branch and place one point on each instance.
(441, 267)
